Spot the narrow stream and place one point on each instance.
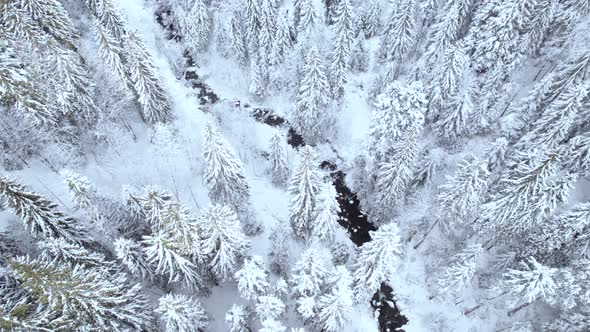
(351, 217)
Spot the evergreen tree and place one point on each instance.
(110, 50)
(311, 116)
(282, 42)
(238, 319)
(222, 240)
(253, 17)
(39, 215)
(370, 22)
(461, 271)
(359, 57)
(223, 171)
(327, 214)
(163, 255)
(257, 78)
(308, 19)
(154, 101)
(280, 251)
(310, 272)
(400, 33)
(271, 325)
(341, 47)
(237, 39)
(59, 251)
(377, 259)
(268, 29)
(252, 278)
(269, 307)
(278, 160)
(461, 197)
(195, 25)
(533, 281)
(182, 313)
(130, 254)
(83, 193)
(335, 308)
(53, 17)
(304, 186)
(84, 299)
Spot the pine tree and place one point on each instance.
(154, 101)
(528, 195)
(223, 172)
(370, 18)
(59, 251)
(182, 313)
(280, 251)
(237, 39)
(532, 281)
(131, 255)
(39, 215)
(341, 47)
(84, 298)
(162, 254)
(310, 272)
(461, 197)
(222, 240)
(377, 259)
(252, 278)
(269, 307)
(327, 215)
(278, 160)
(400, 33)
(238, 319)
(282, 41)
(359, 57)
(461, 271)
(311, 116)
(335, 308)
(195, 25)
(304, 186)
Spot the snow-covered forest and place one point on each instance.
(295, 165)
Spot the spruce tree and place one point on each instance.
(269, 307)
(222, 240)
(308, 20)
(359, 57)
(311, 115)
(39, 215)
(195, 25)
(131, 255)
(310, 271)
(400, 33)
(341, 47)
(59, 251)
(153, 99)
(327, 214)
(282, 42)
(253, 278)
(377, 259)
(335, 308)
(532, 281)
(84, 299)
(278, 160)
(223, 171)
(237, 319)
(370, 18)
(461, 271)
(237, 39)
(182, 313)
(304, 186)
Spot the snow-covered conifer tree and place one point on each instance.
(400, 33)
(131, 255)
(461, 271)
(39, 215)
(278, 160)
(271, 325)
(309, 18)
(237, 39)
(162, 254)
(222, 240)
(335, 308)
(377, 259)
(223, 171)
(268, 29)
(195, 25)
(153, 99)
(280, 251)
(282, 40)
(84, 298)
(311, 114)
(533, 281)
(269, 307)
(359, 57)
(59, 251)
(252, 278)
(238, 319)
(369, 21)
(341, 47)
(461, 197)
(305, 183)
(258, 79)
(327, 214)
(310, 272)
(182, 313)
(82, 191)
